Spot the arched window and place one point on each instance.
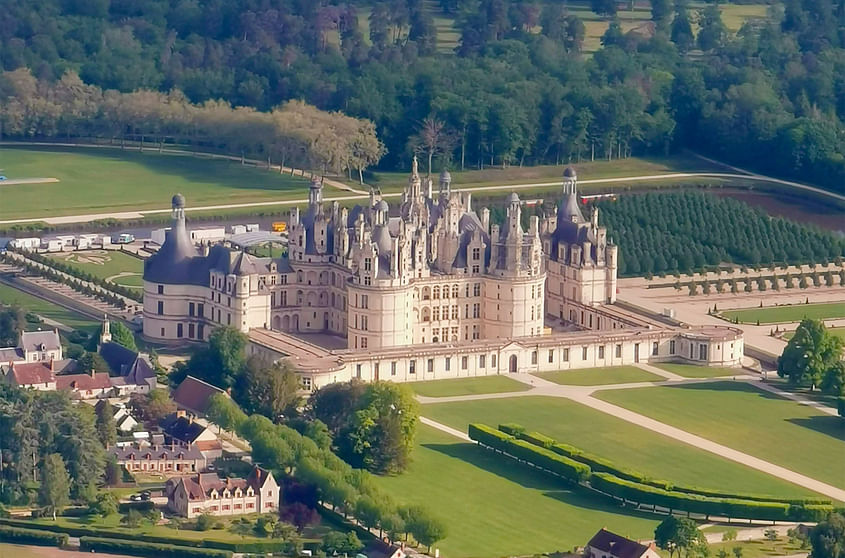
(426, 315)
(426, 293)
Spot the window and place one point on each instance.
(160, 307)
(618, 351)
(493, 361)
(430, 365)
(476, 289)
(455, 312)
(364, 323)
(455, 291)
(476, 253)
(435, 293)
(191, 331)
(161, 289)
(178, 330)
(475, 268)
(368, 264)
(358, 371)
(162, 332)
(476, 310)
(654, 348)
(448, 363)
(435, 314)
(583, 353)
(601, 351)
(566, 355)
(306, 382)
(228, 319)
(551, 355)
(191, 308)
(464, 363)
(672, 347)
(412, 367)
(702, 351)
(367, 281)
(393, 368)
(201, 310)
(201, 331)
(365, 301)
(363, 342)
(482, 361)
(533, 357)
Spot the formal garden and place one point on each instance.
(600, 376)
(115, 266)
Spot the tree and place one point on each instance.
(122, 335)
(426, 529)
(341, 543)
(433, 139)
(679, 534)
(270, 389)
(242, 527)
(12, 323)
(810, 353)
(113, 473)
(105, 504)
(712, 30)
(220, 362)
(682, 28)
(660, 11)
(204, 522)
(833, 381)
(54, 493)
(132, 518)
(106, 427)
(603, 7)
(319, 432)
(152, 407)
(827, 539)
(224, 412)
(93, 362)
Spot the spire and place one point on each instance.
(105, 336)
(414, 168)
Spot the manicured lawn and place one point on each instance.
(628, 445)
(106, 264)
(11, 296)
(794, 313)
(760, 548)
(837, 331)
(600, 376)
(20, 551)
(95, 180)
(738, 415)
(496, 507)
(467, 386)
(694, 371)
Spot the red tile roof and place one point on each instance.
(32, 373)
(83, 382)
(193, 394)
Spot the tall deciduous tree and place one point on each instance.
(106, 427)
(122, 335)
(828, 537)
(152, 407)
(681, 535)
(810, 353)
(54, 493)
(270, 389)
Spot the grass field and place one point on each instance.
(759, 548)
(11, 296)
(837, 331)
(467, 386)
(781, 314)
(496, 507)
(756, 422)
(600, 376)
(628, 445)
(106, 264)
(694, 371)
(106, 180)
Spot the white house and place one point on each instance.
(605, 544)
(208, 493)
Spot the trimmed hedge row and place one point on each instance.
(31, 536)
(513, 429)
(80, 531)
(134, 548)
(539, 457)
(693, 503)
(601, 465)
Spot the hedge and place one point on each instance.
(135, 548)
(694, 503)
(601, 465)
(567, 468)
(31, 536)
(513, 429)
(488, 436)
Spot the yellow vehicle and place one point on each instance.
(280, 226)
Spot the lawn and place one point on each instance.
(496, 507)
(95, 180)
(106, 264)
(467, 386)
(600, 376)
(781, 314)
(695, 371)
(756, 422)
(628, 445)
(760, 548)
(837, 331)
(11, 296)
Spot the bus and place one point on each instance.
(125, 238)
(280, 226)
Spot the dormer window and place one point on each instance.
(368, 264)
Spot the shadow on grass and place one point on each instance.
(528, 477)
(825, 424)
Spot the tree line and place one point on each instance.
(293, 133)
(517, 89)
(673, 232)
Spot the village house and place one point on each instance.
(605, 544)
(133, 371)
(159, 458)
(193, 395)
(207, 493)
(33, 346)
(185, 431)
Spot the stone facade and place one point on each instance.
(207, 493)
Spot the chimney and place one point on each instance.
(93, 373)
(52, 368)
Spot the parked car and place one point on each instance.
(135, 498)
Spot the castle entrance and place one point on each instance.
(512, 366)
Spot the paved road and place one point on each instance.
(583, 395)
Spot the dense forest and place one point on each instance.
(517, 89)
(684, 231)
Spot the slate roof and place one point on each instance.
(155, 452)
(193, 394)
(617, 545)
(132, 367)
(10, 355)
(182, 429)
(200, 486)
(40, 341)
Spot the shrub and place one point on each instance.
(545, 459)
(488, 436)
(512, 428)
(538, 439)
(156, 550)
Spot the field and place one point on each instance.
(837, 331)
(495, 507)
(756, 422)
(45, 309)
(694, 371)
(600, 376)
(628, 445)
(113, 265)
(106, 180)
(781, 314)
(467, 386)
(20, 551)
